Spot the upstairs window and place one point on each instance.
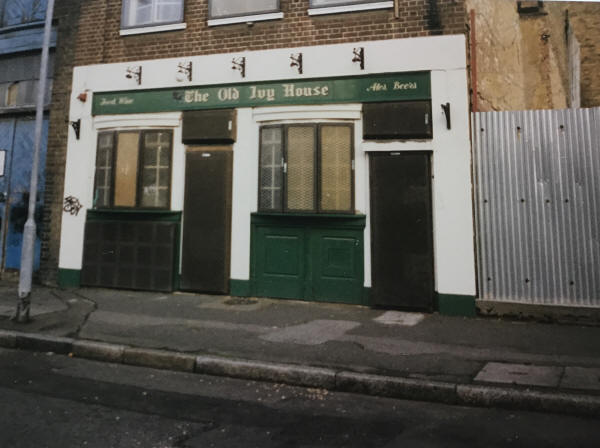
(19, 12)
(133, 169)
(306, 168)
(328, 3)
(234, 8)
(140, 13)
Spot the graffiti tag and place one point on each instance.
(72, 205)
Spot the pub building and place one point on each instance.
(337, 173)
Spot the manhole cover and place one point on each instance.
(241, 301)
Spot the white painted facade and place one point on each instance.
(443, 56)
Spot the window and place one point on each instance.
(320, 7)
(233, 8)
(18, 80)
(306, 168)
(18, 12)
(328, 3)
(139, 13)
(133, 169)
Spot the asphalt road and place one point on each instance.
(56, 401)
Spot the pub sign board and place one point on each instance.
(357, 89)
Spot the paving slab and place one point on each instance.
(581, 378)
(522, 374)
(312, 333)
(400, 318)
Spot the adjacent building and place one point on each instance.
(21, 32)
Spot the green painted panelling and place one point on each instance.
(355, 89)
(133, 215)
(308, 257)
(337, 221)
(366, 297)
(69, 278)
(456, 305)
(240, 288)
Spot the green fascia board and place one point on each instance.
(456, 305)
(69, 278)
(409, 86)
(338, 221)
(133, 215)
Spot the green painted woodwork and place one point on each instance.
(133, 215)
(100, 215)
(356, 89)
(241, 288)
(69, 278)
(456, 305)
(337, 258)
(280, 254)
(311, 257)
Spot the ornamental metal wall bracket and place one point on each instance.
(359, 56)
(296, 61)
(239, 64)
(76, 125)
(446, 110)
(184, 71)
(134, 73)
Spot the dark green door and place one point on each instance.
(206, 220)
(401, 230)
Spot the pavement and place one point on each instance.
(483, 361)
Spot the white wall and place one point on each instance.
(444, 56)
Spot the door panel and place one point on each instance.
(401, 230)
(337, 270)
(207, 220)
(280, 263)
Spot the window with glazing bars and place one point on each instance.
(233, 8)
(18, 12)
(133, 169)
(306, 168)
(327, 3)
(139, 13)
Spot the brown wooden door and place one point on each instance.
(207, 220)
(401, 230)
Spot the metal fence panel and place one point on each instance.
(537, 198)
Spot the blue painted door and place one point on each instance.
(17, 138)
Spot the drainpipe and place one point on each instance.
(473, 51)
(29, 232)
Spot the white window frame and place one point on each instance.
(152, 26)
(350, 7)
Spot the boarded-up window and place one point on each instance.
(126, 169)
(133, 169)
(301, 168)
(336, 168)
(306, 168)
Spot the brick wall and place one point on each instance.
(89, 34)
(66, 14)
(585, 20)
(99, 40)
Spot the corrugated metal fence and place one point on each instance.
(537, 198)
